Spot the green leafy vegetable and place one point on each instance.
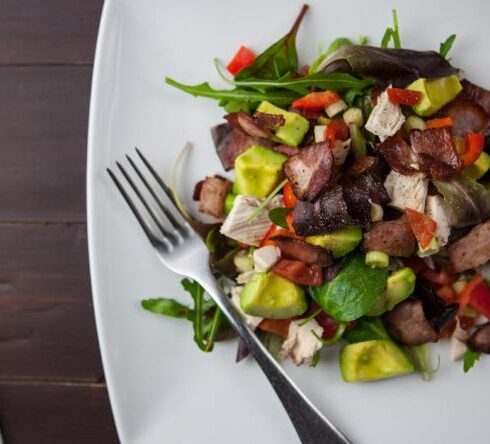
(470, 357)
(363, 40)
(272, 342)
(420, 358)
(279, 59)
(334, 339)
(392, 34)
(446, 45)
(336, 44)
(366, 329)
(266, 201)
(167, 307)
(315, 359)
(354, 291)
(278, 216)
(211, 240)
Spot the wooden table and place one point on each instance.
(52, 386)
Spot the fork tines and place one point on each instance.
(179, 229)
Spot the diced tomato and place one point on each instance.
(423, 227)
(299, 273)
(277, 326)
(465, 296)
(316, 100)
(288, 196)
(310, 114)
(336, 130)
(243, 58)
(417, 264)
(274, 230)
(480, 298)
(328, 324)
(473, 143)
(440, 123)
(443, 276)
(447, 294)
(402, 96)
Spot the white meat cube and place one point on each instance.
(265, 258)
(386, 118)
(435, 208)
(301, 345)
(407, 191)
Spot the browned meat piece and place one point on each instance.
(230, 143)
(271, 121)
(393, 237)
(436, 152)
(328, 213)
(299, 249)
(287, 150)
(480, 339)
(242, 121)
(471, 250)
(407, 323)
(212, 195)
(398, 154)
(468, 117)
(310, 171)
(477, 94)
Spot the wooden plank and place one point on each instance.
(44, 130)
(48, 31)
(47, 327)
(55, 414)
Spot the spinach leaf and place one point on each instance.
(277, 60)
(420, 358)
(278, 216)
(353, 292)
(167, 307)
(366, 329)
(470, 357)
(446, 45)
(336, 44)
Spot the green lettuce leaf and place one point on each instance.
(366, 329)
(470, 357)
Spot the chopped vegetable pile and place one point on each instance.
(359, 212)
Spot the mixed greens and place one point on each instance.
(359, 209)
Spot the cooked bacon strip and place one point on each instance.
(294, 248)
(212, 195)
(287, 150)
(393, 237)
(310, 171)
(478, 94)
(270, 121)
(299, 272)
(398, 154)
(468, 117)
(242, 121)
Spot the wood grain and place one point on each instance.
(47, 327)
(44, 114)
(35, 413)
(48, 31)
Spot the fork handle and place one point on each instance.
(312, 427)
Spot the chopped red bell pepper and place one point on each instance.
(440, 123)
(288, 196)
(423, 227)
(336, 130)
(277, 326)
(480, 298)
(465, 296)
(243, 58)
(274, 230)
(316, 100)
(473, 143)
(402, 96)
(299, 272)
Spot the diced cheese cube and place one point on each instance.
(386, 118)
(265, 258)
(435, 208)
(251, 321)
(407, 191)
(301, 345)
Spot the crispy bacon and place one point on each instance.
(310, 171)
(468, 117)
(212, 195)
(294, 248)
(398, 154)
(299, 272)
(270, 121)
(478, 94)
(287, 150)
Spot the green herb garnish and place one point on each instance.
(392, 34)
(446, 45)
(470, 357)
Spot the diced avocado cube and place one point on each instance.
(271, 296)
(339, 242)
(373, 360)
(295, 127)
(258, 171)
(435, 93)
(479, 168)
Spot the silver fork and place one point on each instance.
(183, 252)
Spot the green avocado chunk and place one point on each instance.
(258, 171)
(339, 242)
(373, 360)
(294, 129)
(479, 168)
(271, 296)
(435, 93)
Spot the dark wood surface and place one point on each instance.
(52, 387)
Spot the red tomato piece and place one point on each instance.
(480, 298)
(316, 100)
(243, 58)
(473, 143)
(336, 130)
(299, 273)
(465, 296)
(423, 227)
(402, 96)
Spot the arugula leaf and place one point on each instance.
(279, 97)
(277, 60)
(392, 34)
(366, 329)
(278, 216)
(353, 292)
(420, 358)
(267, 200)
(336, 44)
(363, 40)
(446, 45)
(167, 307)
(470, 357)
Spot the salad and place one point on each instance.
(359, 209)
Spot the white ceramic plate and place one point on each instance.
(162, 389)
